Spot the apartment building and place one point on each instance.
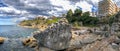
(107, 8)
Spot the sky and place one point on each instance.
(12, 11)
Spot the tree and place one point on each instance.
(86, 14)
(77, 12)
(78, 16)
(69, 15)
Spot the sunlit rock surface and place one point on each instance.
(2, 39)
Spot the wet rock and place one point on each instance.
(57, 36)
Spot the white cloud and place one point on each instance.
(22, 18)
(65, 5)
(25, 9)
(95, 1)
(9, 10)
(47, 7)
(84, 5)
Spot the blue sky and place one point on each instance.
(18, 10)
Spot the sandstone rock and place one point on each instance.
(2, 40)
(57, 36)
(42, 27)
(31, 42)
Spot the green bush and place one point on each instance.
(38, 21)
(78, 16)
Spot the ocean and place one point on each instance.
(13, 31)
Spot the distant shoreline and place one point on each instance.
(25, 26)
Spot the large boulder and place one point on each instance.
(57, 36)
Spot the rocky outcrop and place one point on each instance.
(105, 44)
(98, 46)
(57, 36)
(31, 42)
(115, 28)
(79, 41)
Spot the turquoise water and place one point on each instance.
(14, 35)
(12, 31)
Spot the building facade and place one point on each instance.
(93, 14)
(107, 8)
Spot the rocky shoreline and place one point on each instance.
(26, 26)
(61, 37)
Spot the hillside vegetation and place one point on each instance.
(38, 21)
(76, 19)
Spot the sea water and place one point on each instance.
(13, 31)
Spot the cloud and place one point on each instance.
(117, 2)
(9, 10)
(84, 5)
(20, 19)
(31, 8)
(62, 6)
(27, 9)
